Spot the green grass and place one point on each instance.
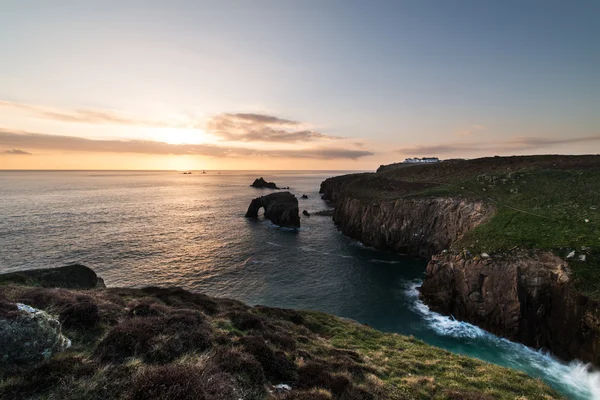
(538, 209)
(409, 368)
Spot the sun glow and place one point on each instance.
(180, 136)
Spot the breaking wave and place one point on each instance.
(577, 379)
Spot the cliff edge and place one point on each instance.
(513, 241)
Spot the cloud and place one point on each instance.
(237, 127)
(16, 152)
(515, 144)
(81, 116)
(473, 129)
(77, 144)
(261, 128)
(262, 118)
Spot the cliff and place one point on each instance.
(528, 212)
(417, 227)
(168, 343)
(524, 296)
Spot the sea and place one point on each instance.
(140, 228)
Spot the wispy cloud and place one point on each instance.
(515, 144)
(15, 152)
(473, 129)
(43, 141)
(261, 128)
(81, 116)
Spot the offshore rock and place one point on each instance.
(75, 276)
(525, 297)
(28, 335)
(280, 208)
(260, 183)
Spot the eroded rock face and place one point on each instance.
(262, 184)
(417, 227)
(28, 335)
(280, 208)
(526, 297)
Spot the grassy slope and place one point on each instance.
(169, 343)
(542, 203)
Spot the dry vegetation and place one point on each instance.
(168, 343)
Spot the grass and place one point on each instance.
(542, 203)
(172, 344)
(557, 210)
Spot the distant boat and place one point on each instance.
(187, 173)
(203, 171)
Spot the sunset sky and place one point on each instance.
(294, 84)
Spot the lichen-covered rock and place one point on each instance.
(28, 335)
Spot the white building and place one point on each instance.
(424, 160)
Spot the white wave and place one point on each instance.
(373, 260)
(581, 380)
(275, 244)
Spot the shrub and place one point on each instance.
(44, 376)
(128, 339)
(246, 321)
(179, 297)
(278, 368)
(313, 375)
(169, 382)
(281, 340)
(80, 315)
(242, 365)
(165, 348)
(8, 310)
(307, 395)
(284, 314)
(46, 298)
(146, 308)
(157, 339)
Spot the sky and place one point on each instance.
(281, 84)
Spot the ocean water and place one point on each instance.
(164, 228)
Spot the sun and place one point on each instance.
(179, 135)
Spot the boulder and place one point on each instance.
(74, 276)
(304, 196)
(306, 213)
(28, 335)
(280, 208)
(260, 183)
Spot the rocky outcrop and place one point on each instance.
(523, 296)
(325, 213)
(28, 335)
(74, 276)
(280, 208)
(260, 183)
(419, 227)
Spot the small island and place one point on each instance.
(260, 183)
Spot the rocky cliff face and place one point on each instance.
(418, 227)
(526, 297)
